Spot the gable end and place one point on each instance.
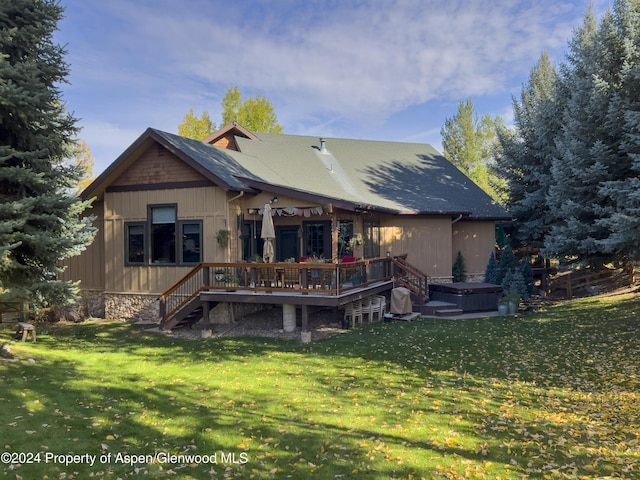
(158, 166)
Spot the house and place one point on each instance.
(168, 204)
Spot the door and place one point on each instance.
(317, 239)
(287, 244)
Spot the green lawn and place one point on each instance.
(551, 395)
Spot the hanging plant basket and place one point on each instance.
(223, 238)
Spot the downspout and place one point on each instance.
(228, 204)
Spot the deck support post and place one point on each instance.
(288, 317)
(305, 336)
(206, 307)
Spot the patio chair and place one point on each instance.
(378, 307)
(353, 311)
(366, 309)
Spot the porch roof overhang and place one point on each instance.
(342, 204)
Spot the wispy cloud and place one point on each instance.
(322, 64)
(356, 59)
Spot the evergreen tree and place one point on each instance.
(588, 147)
(506, 264)
(514, 282)
(526, 154)
(621, 192)
(578, 132)
(491, 272)
(459, 269)
(527, 274)
(40, 214)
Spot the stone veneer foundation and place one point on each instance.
(128, 306)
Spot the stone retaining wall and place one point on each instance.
(129, 306)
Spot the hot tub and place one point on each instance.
(468, 296)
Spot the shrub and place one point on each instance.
(459, 269)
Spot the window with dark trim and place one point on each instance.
(162, 220)
(371, 240)
(163, 239)
(135, 242)
(345, 234)
(252, 243)
(191, 242)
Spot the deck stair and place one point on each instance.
(186, 317)
(436, 308)
(417, 282)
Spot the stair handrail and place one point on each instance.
(416, 281)
(183, 291)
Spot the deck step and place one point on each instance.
(449, 312)
(432, 307)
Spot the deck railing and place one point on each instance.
(304, 278)
(411, 277)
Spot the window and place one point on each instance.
(135, 241)
(252, 244)
(163, 234)
(371, 240)
(163, 239)
(191, 235)
(345, 235)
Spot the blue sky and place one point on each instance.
(368, 69)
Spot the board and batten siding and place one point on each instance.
(476, 240)
(425, 240)
(88, 267)
(208, 204)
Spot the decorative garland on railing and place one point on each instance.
(291, 211)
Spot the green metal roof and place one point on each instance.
(403, 178)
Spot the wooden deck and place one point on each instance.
(287, 284)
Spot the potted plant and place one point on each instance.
(513, 299)
(356, 241)
(230, 280)
(503, 306)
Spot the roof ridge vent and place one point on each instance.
(323, 145)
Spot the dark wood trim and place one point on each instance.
(160, 186)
